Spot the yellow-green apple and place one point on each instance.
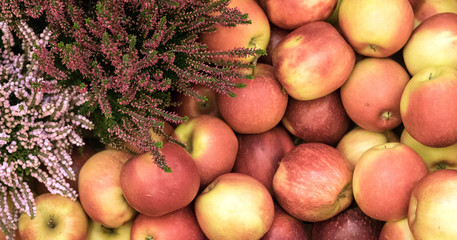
(57, 217)
(432, 43)
(191, 107)
(313, 182)
(435, 158)
(287, 227)
(428, 106)
(253, 35)
(396, 230)
(313, 61)
(234, 206)
(321, 120)
(212, 144)
(352, 223)
(276, 35)
(355, 142)
(333, 18)
(291, 14)
(383, 179)
(433, 206)
(179, 224)
(100, 191)
(100, 232)
(371, 95)
(428, 8)
(258, 107)
(376, 28)
(259, 154)
(154, 191)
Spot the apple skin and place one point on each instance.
(430, 119)
(379, 33)
(259, 154)
(256, 108)
(254, 35)
(276, 35)
(212, 144)
(291, 14)
(432, 43)
(313, 182)
(321, 120)
(57, 217)
(352, 223)
(286, 227)
(396, 230)
(433, 206)
(152, 191)
(435, 158)
(234, 206)
(313, 61)
(333, 18)
(371, 95)
(179, 224)
(358, 140)
(100, 191)
(191, 107)
(100, 232)
(428, 8)
(383, 179)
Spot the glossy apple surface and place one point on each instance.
(396, 230)
(287, 227)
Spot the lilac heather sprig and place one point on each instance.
(38, 126)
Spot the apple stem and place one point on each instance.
(107, 229)
(373, 47)
(51, 222)
(149, 237)
(386, 115)
(441, 165)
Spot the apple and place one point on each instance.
(396, 230)
(428, 8)
(100, 192)
(321, 120)
(57, 217)
(291, 14)
(333, 18)
(435, 158)
(234, 206)
(313, 182)
(179, 224)
(352, 223)
(433, 206)
(100, 232)
(256, 108)
(287, 227)
(153, 191)
(191, 107)
(428, 106)
(383, 179)
(371, 95)
(276, 35)
(253, 35)
(212, 144)
(313, 61)
(432, 43)
(259, 154)
(358, 140)
(376, 28)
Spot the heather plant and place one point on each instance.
(132, 55)
(39, 125)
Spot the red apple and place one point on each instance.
(259, 154)
(211, 143)
(313, 182)
(396, 230)
(429, 106)
(313, 61)
(321, 120)
(286, 227)
(153, 191)
(191, 107)
(234, 206)
(179, 224)
(100, 191)
(352, 223)
(57, 217)
(371, 95)
(383, 179)
(276, 35)
(256, 108)
(291, 14)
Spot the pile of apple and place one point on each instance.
(347, 131)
